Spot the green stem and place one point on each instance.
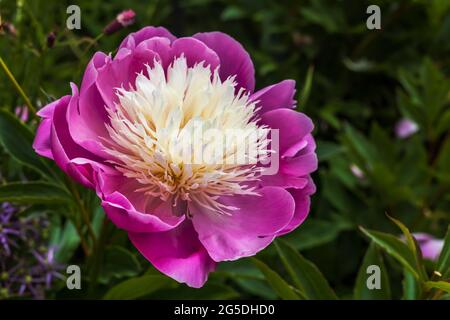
(83, 211)
(97, 257)
(17, 86)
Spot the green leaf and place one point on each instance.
(281, 287)
(442, 285)
(119, 263)
(362, 292)
(66, 240)
(306, 276)
(210, 291)
(327, 150)
(32, 193)
(315, 232)
(395, 248)
(17, 140)
(411, 287)
(138, 287)
(306, 91)
(361, 146)
(443, 264)
(247, 276)
(413, 246)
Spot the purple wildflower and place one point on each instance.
(27, 266)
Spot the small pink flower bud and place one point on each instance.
(8, 28)
(22, 113)
(123, 19)
(51, 37)
(357, 172)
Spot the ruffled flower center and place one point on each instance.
(185, 135)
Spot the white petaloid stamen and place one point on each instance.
(157, 119)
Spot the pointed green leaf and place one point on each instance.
(119, 263)
(443, 264)
(32, 193)
(442, 285)
(413, 246)
(281, 287)
(306, 276)
(411, 287)
(138, 287)
(395, 248)
(362, 291)
(17, 140)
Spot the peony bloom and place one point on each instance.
(119, 135)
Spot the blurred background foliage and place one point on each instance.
(355, 83)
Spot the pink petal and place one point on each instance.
(134, 39)
(130, 210)
(161, 46)
(247, 230)
(234, 60)
(283, 180)
(176, 253)
(64, 149)
(42, 141)
(122, 71)
(293, 126)
(302, 206)
(279, 95)
(123, 214)
(195, 52)
(88, 118)
(299, 166)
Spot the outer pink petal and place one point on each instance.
(122, 71)
(283, 180)
(88, 118)
(134, 39)
(42, 140)
(195, 51)
(234, 60)
(131, 210)
(279, 95)
(161, 46)
(123, 214)
(293, 127)
(64, 149)
(247, 230)
(176, 253)
(302, 206)
(301, 165)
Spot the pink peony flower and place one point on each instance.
(118, 134)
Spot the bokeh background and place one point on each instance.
(356, 84)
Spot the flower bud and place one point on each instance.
(123, 19)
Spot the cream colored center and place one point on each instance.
(155, 121)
